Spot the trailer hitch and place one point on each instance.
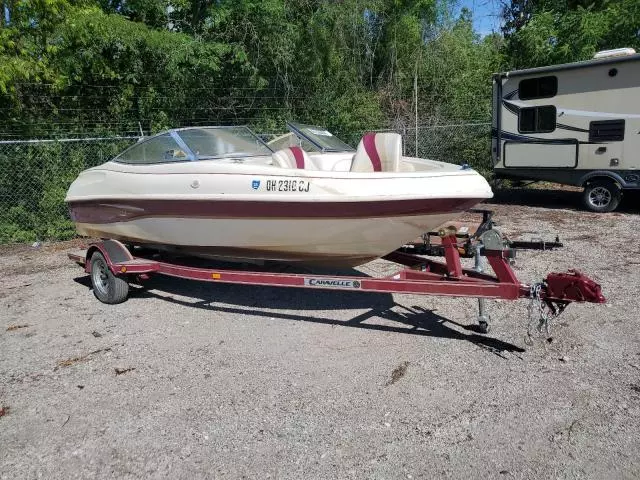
(572, 286)
(550, 297)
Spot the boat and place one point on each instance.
(310, 198)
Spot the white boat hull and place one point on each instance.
(348, 242)
(255, 211)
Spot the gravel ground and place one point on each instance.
(190, 380)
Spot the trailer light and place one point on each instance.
(215, 276)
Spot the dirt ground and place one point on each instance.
(187, 380)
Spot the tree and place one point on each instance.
(559, 31)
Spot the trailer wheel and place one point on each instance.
(601, 196)
(107, 287)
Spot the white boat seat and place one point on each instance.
(378, 152)
(342, 165)
(293, 157)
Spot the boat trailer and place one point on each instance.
(111, 266)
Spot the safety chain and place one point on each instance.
(542, 311)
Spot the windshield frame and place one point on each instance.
(297, 130)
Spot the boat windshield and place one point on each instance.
(292, 140)
(213, 142)
(321, 138)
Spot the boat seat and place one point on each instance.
(378, 152)
(293, 157)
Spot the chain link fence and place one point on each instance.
(456, 143)
(34, 178)
(35, 174)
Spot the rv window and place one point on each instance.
(537, 119)
(541, 87)
(606, 131)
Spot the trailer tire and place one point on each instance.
(107, 287)
(601, 196)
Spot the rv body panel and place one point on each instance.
(544, 155)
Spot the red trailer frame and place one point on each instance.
(111, 265)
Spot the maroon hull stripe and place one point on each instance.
(110, 211)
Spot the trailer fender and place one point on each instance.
(113, 252)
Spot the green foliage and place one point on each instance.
(111, 66)
(455, 78)
(149, 12)
(103, 73)
(561, 31)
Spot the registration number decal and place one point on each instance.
(288, 186)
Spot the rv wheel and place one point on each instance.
(106, 286)
(602, 196)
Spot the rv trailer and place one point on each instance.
(575, 124)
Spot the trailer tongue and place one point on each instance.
(112, 265)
